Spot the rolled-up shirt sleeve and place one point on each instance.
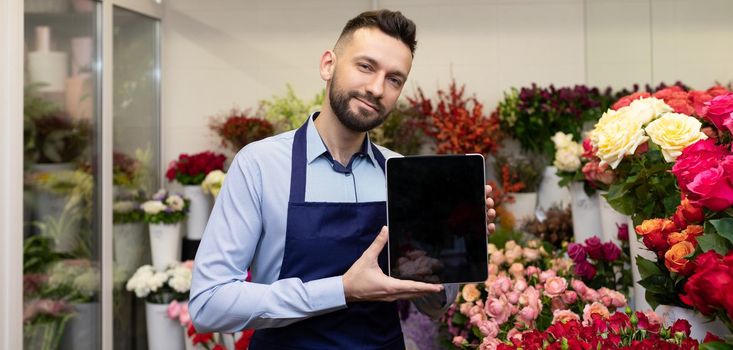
(220, 298)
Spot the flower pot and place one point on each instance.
(165, 245)
(198, 211)
(81, 330)
(637, 248)
(524, 205)
(700, 324)
(550, 193)
(611, 220)
(129, 246)
(163, 332)
(586, 213)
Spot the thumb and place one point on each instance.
(376, 247)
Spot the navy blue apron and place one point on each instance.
(324, 240)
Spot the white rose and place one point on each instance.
(562, 140)
(568, 158)
(619, 139)
(647, 109)
(123, 206)
(153, 207)
(213, 182)
(180, 279)
(175, 202)
(609, 117)
(673, 132)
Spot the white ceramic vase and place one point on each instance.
(550, 193)
(129, 245)
(198, 211)
(165, 245)
(80, 332)
(524, 206)
(586, 213)
(611, 220)
(700, 324)
(164, 333)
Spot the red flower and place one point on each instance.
(713, 188)
(687, 213)
(719, 110)
(708, 287)
(594, 247)
(696, 158)
(681, 325)
(611, 251)
(626, 100)
(645, 324)
(656, 242)
(618, 322)
(191, 170)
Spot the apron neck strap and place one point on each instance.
(300, 160)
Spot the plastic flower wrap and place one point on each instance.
(213, 182)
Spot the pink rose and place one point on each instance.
(493, 269)
(501, 285)
(594, 309)
(557, 304)
(564, 316)
(514, 334)
(465, 308)
(713, 188)
(696, 158)
(498, 309)
(531, 254)
(555, 286)
(489, 328)
(590, 295)
(719, 109)
(477, 318)
(545, 275)
(528, 314)
(532, 270)
(489, 344)
(569, 297)
(174, 309)
(497, 258)
(513, 296)
(578, 286)
(516, 270)
(653, 318)
(531, 297)
(459, 341)
(520, 285)
(618, 299)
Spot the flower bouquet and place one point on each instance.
(527, 289)
(457, 123)
(164, 213)
(290, 111)
(159, 288)
(521, 176)
(237, 129)
(600, 329)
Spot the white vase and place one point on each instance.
(164, 333)
(550, 193)
(198, 211)
(637, 248)
(586, 213)
(700, 324)
(524, 206)
(129, 245)
(80, 332)
(165, 245)
(611, 220)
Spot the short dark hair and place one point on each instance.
(392, 23)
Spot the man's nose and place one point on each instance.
(376, 85)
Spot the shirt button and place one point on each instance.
(347, 174)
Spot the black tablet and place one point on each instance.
(436, 214)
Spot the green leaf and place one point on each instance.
(651, 298)
(724, 228)
(715, 242)
(716, 346)
(647, 267)
(459, 319)
(656, 284)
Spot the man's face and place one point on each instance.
(370, 72)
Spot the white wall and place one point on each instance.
(222, 53)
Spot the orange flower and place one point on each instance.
(675, 258)
(656, 226)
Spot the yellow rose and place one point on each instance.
(609, 117)
(673, 132)
(647, 109)
(618, 139)
(568, 158)
(470, 292)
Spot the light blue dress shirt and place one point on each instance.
(246, 229)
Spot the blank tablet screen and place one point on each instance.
(436, 213)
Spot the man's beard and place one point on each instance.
(362, 121)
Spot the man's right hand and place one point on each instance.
(365, 281)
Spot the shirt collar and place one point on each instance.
(316, 147)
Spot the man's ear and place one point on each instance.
(328, 64)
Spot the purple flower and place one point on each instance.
(623, 232)
(576, 252)
(585, 270)
(611, 251)
(594, 248)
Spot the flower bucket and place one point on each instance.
(43, 336)
(524, 205)
(586, 213)
(611, 220)
(129, 240)
(165, 245)
(80, 332)
(163, 332)
(636, 247)
(700, 324)
(550, 193)
(199, 210)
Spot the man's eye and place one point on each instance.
(365, 67)
(395, 81)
